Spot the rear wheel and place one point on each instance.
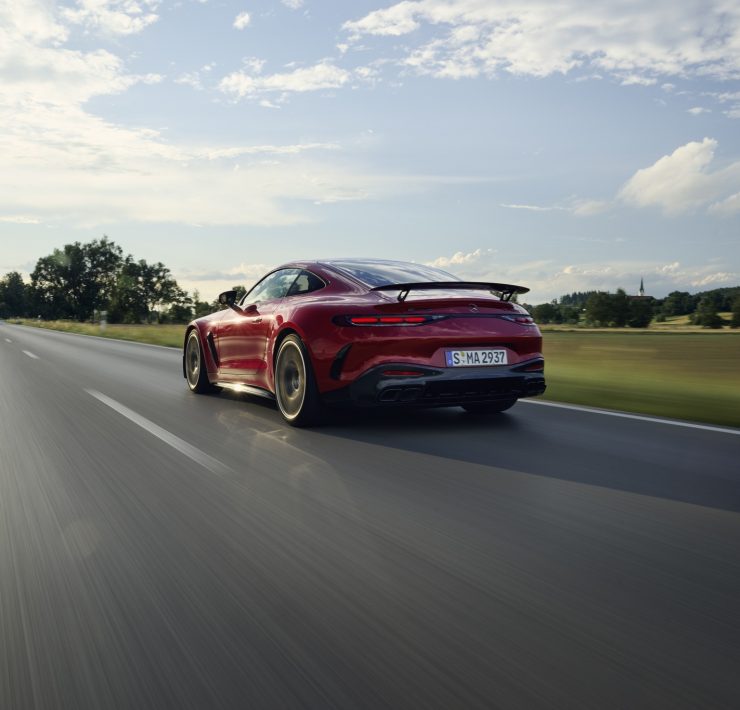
(296, 392)
(195, 370)
(489, 407)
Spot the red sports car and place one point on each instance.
(370, 333)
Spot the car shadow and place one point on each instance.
(580, 447)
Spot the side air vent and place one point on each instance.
(336, 367)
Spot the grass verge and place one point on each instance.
(170, 335)
(692, 376)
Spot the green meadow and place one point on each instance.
(683, 375)
(694, 376)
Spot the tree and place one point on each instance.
(142, 289)
(76, 280)
(678, 303)
(546, 313)
(620, 308)
(706, 314)
(735, 322)
(599, 308)
(13, 296)
(640, 312)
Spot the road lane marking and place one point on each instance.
(31, 355)
(624, 415)
(213, 465)
(8, 340)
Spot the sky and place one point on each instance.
(565, 146)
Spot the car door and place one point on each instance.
(242, 335)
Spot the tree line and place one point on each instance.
(79, 281)
(603, 309)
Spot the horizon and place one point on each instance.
(568, 148)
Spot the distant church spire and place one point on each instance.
(642, 287)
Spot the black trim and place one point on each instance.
(212, 347)
(336, 366)
(440, 387)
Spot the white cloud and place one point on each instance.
(698, 110)
(578, 207)
(549, 279)
(242, 20)
(531, 208)
(683, 182)
(459, 258)
(60, 163)
(116, 17)
(636, 43)
(587, 208)
(249, 83)
(293, 4)
(19, 219)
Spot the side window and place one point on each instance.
(305, 283)
(274, 286)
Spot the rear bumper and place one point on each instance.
(440, 387)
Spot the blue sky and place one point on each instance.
(565, 146)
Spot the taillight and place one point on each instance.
(523, 320)
(384, 320)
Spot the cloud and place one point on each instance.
(459, 258)
(635, 43)
(61, 163)
(250, 83)
(578, 207)
(683, 182)
(698, 110)
(242, 20)
(532, 208)
(549, 279)
(115, 17)
(293, 4)
(19, 219)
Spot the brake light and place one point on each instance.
(523, 320)
(387, 320)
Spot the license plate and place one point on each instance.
(475, 358)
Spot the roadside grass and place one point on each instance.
(682, 375)
(155, 334)
(693, 376)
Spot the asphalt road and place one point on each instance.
(160, 549)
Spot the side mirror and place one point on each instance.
(227, 298)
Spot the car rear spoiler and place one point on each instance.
(505, 291)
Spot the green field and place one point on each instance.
(691, 375)
(694, 376)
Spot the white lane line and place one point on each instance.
(624, 415)
(31, 355)
(175, 442)
(8, 340)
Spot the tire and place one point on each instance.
(195, 373)
(486, 408)
(296, 392)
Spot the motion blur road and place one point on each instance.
(160, 549)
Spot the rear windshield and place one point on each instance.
(384, 273)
